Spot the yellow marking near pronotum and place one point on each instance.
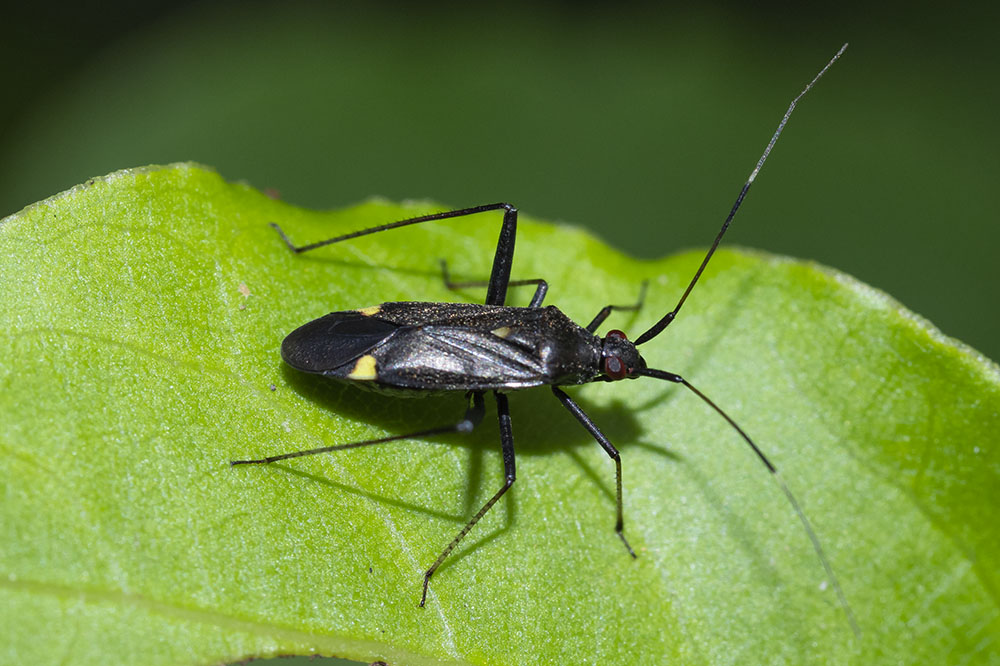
(369, 311)
(364, 369)
(501, 332)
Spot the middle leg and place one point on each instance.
(541, 286)
(507, 449)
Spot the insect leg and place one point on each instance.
(507, 448)
(607, 309)
(499, 276)
(473, 416)
(596, 433)
(541, 286)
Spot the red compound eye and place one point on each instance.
(613, 367)
(615, 333)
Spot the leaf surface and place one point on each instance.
(142, 319)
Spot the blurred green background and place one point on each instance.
(639, 121)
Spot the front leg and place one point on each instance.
(609, 448)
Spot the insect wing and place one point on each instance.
(327, 343)
(450, 358)
(482, 347)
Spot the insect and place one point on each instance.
(412, 348)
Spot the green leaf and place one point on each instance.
(142, 317)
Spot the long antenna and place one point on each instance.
(672, 377)
(658, 327)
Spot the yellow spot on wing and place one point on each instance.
(501, 332)
(364, 369)
(369, 311)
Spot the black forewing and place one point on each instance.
(449, 358)
(446, 347)
(468, 315)
(330, 342)
(480, 347)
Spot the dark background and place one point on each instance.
(638, 121)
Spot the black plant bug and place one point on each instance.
(411, 348)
